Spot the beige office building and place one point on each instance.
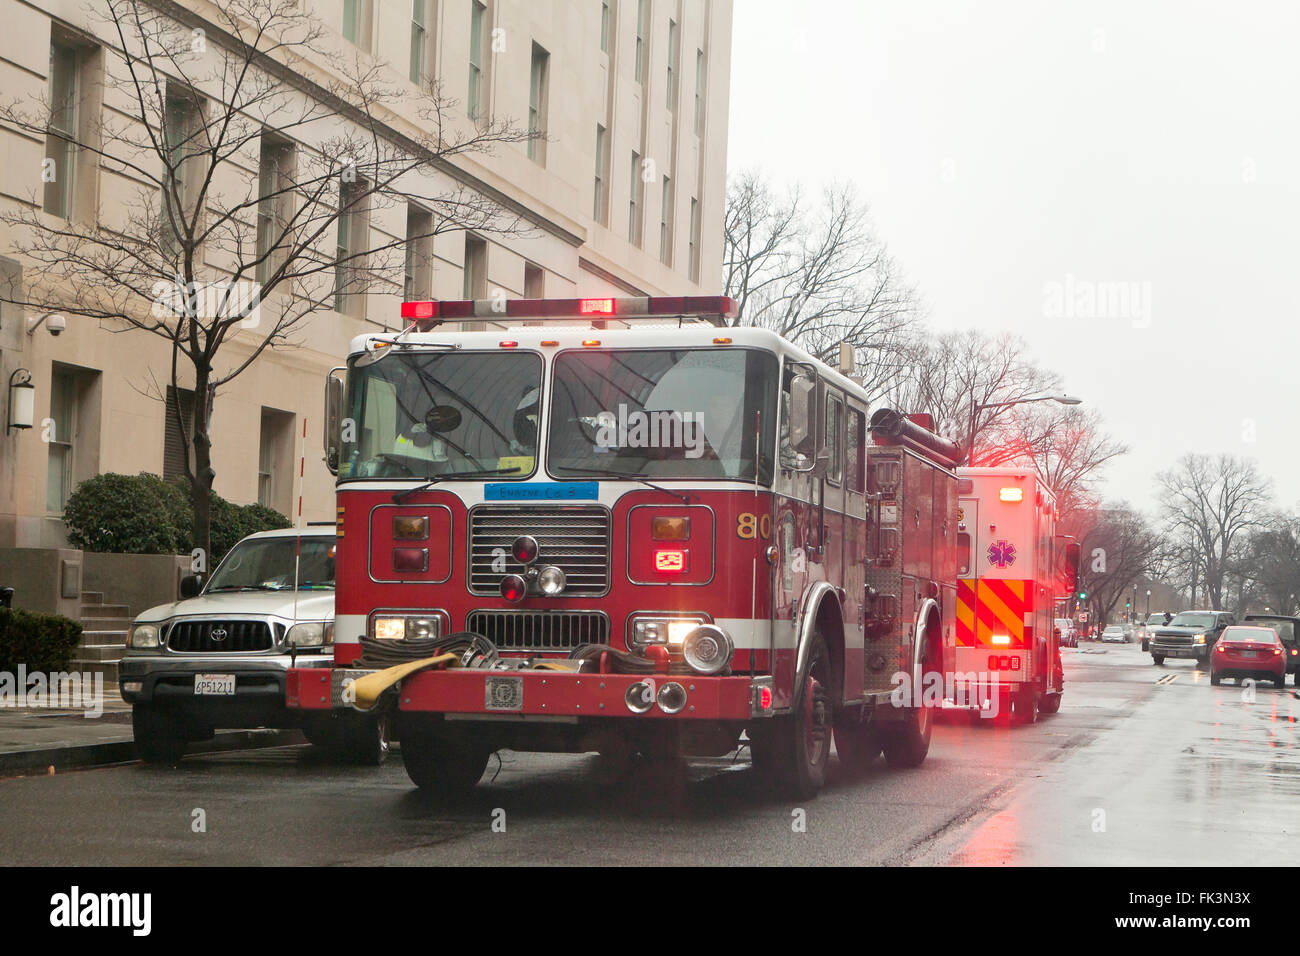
(624, 196)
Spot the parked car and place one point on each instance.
(1114, 634)
(1288, 631)
(1249, 652)
(217, 658)
(1191, 635)
(1154, 619)
(1069, 634)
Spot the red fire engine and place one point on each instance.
(1012, 567)
(568, 538)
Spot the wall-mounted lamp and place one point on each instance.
(22, 400)
(53, 321)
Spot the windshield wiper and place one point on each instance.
(401, 496)
(616, 476)
(249, 587)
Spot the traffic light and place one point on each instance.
(1128, 604)
(1083, 595)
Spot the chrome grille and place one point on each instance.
(539, 630)
(215, 637)
(576, 540)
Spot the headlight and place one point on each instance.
(708, 649)
(661, 630)
(142, 635)
(413, 627)
(1198, 639)
(310, 634)
(551, 581)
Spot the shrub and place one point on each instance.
(42, 642)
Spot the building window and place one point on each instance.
(699, 92)
(598, 206)
(537, 105)
(604, 26)
(634, 202)
(353, 229)
(418, 285)
(642, 24)
(475, 272)
(477, 58)
(534, 281)
(61, 137)
(672, 66)
(275, 460)
(694, 263)
(182, 124)
(63, 424)
(178, 445)
(274, 182)
(356, 22)
(666, 223)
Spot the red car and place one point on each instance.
(1248, 652)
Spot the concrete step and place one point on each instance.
(105, 624)
(100, 638)
(101, 652)
(107, 668)
(92, 597)
(105, 610)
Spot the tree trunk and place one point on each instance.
(203, 476)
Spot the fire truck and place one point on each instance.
(1013, 568)
(668, 538)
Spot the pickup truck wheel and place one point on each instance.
(436, 764)
(1158, 660)
(159, 734)
(1201, 663)
(794, 749)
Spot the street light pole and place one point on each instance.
(1148, 602)
(975, 409)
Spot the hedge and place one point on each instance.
(42, 642)
(143, 514)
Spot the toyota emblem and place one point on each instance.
(218, 634)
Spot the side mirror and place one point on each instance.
(333, 420)
(803, 415)
(191, 585)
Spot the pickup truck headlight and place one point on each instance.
(1198, 638)
(142, 635)
(310, 634)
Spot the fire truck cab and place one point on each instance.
(1009, 556)
(667, 538)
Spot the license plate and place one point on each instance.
(1246, 653)
(214, 685)
(503, 693)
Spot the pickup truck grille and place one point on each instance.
(218, 637)
(576, 540)
(539, 630)
(1172, 638)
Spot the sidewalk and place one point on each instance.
(33, 739)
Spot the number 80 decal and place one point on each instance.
(747, 524)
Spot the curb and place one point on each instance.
(86, 756)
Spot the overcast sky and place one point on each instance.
(1016, 150)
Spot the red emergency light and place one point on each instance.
(672, 562)
(426, 315)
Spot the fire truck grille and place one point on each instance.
(539, 630)
(576, 540)
(208, 637)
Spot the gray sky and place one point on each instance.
(1008, 146)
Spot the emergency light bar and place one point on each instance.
(710, 308)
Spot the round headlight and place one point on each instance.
(551, 581)
(708, 649)
(309, 634)
(143, 635)
(421, 628)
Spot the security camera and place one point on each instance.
(56, 324)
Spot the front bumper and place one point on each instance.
(546, 694)
(1198, 652)
(169, 680)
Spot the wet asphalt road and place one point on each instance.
(1131, 771)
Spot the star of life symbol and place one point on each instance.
(1002, 553)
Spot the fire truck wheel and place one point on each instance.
(793, 750)
(159, 734)
(857, 743)
(1049, 704)
(436, 764)
(908, 741)
(367, 740)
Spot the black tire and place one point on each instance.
(1280, 682)
(907, 742)
(1025, 707)
(1202, 663)
(435, 763)
(793, 749)
(1158, 660)
(1049, 704)
(1215, 679)
(368, 742)
(159, 734)
(857, 743)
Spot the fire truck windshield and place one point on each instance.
(663, 413)
(420, 414)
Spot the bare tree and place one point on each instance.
(1067, 446)
(1211, 504)
(1118, 553)
(207, 251)
(1269, 568)
(818, 275)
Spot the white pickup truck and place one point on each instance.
(217, 658)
